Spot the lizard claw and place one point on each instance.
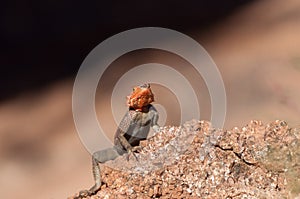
(86, 193)
(83, 194)
(137, 148)
(132, 150)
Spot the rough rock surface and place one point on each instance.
(198, 161)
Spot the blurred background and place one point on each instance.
(255, 45)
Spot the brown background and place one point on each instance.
(256, 47)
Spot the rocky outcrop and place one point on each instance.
(197, 161)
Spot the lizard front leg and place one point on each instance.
(125, 144)
(97, 179)
(96, 174)
(154, 121)
(97, 158)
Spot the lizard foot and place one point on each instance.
(94, 189)
(83, 194)
(131, 152)
(137, 148)
(86, 193)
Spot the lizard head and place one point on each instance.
(140, 97)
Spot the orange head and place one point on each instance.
(140, 97)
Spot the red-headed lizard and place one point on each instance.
(133, 128)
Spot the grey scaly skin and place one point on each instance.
(133, 128)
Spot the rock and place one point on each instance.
(197, 161)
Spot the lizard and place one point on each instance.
(133, 128)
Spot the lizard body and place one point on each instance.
(133, 128)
